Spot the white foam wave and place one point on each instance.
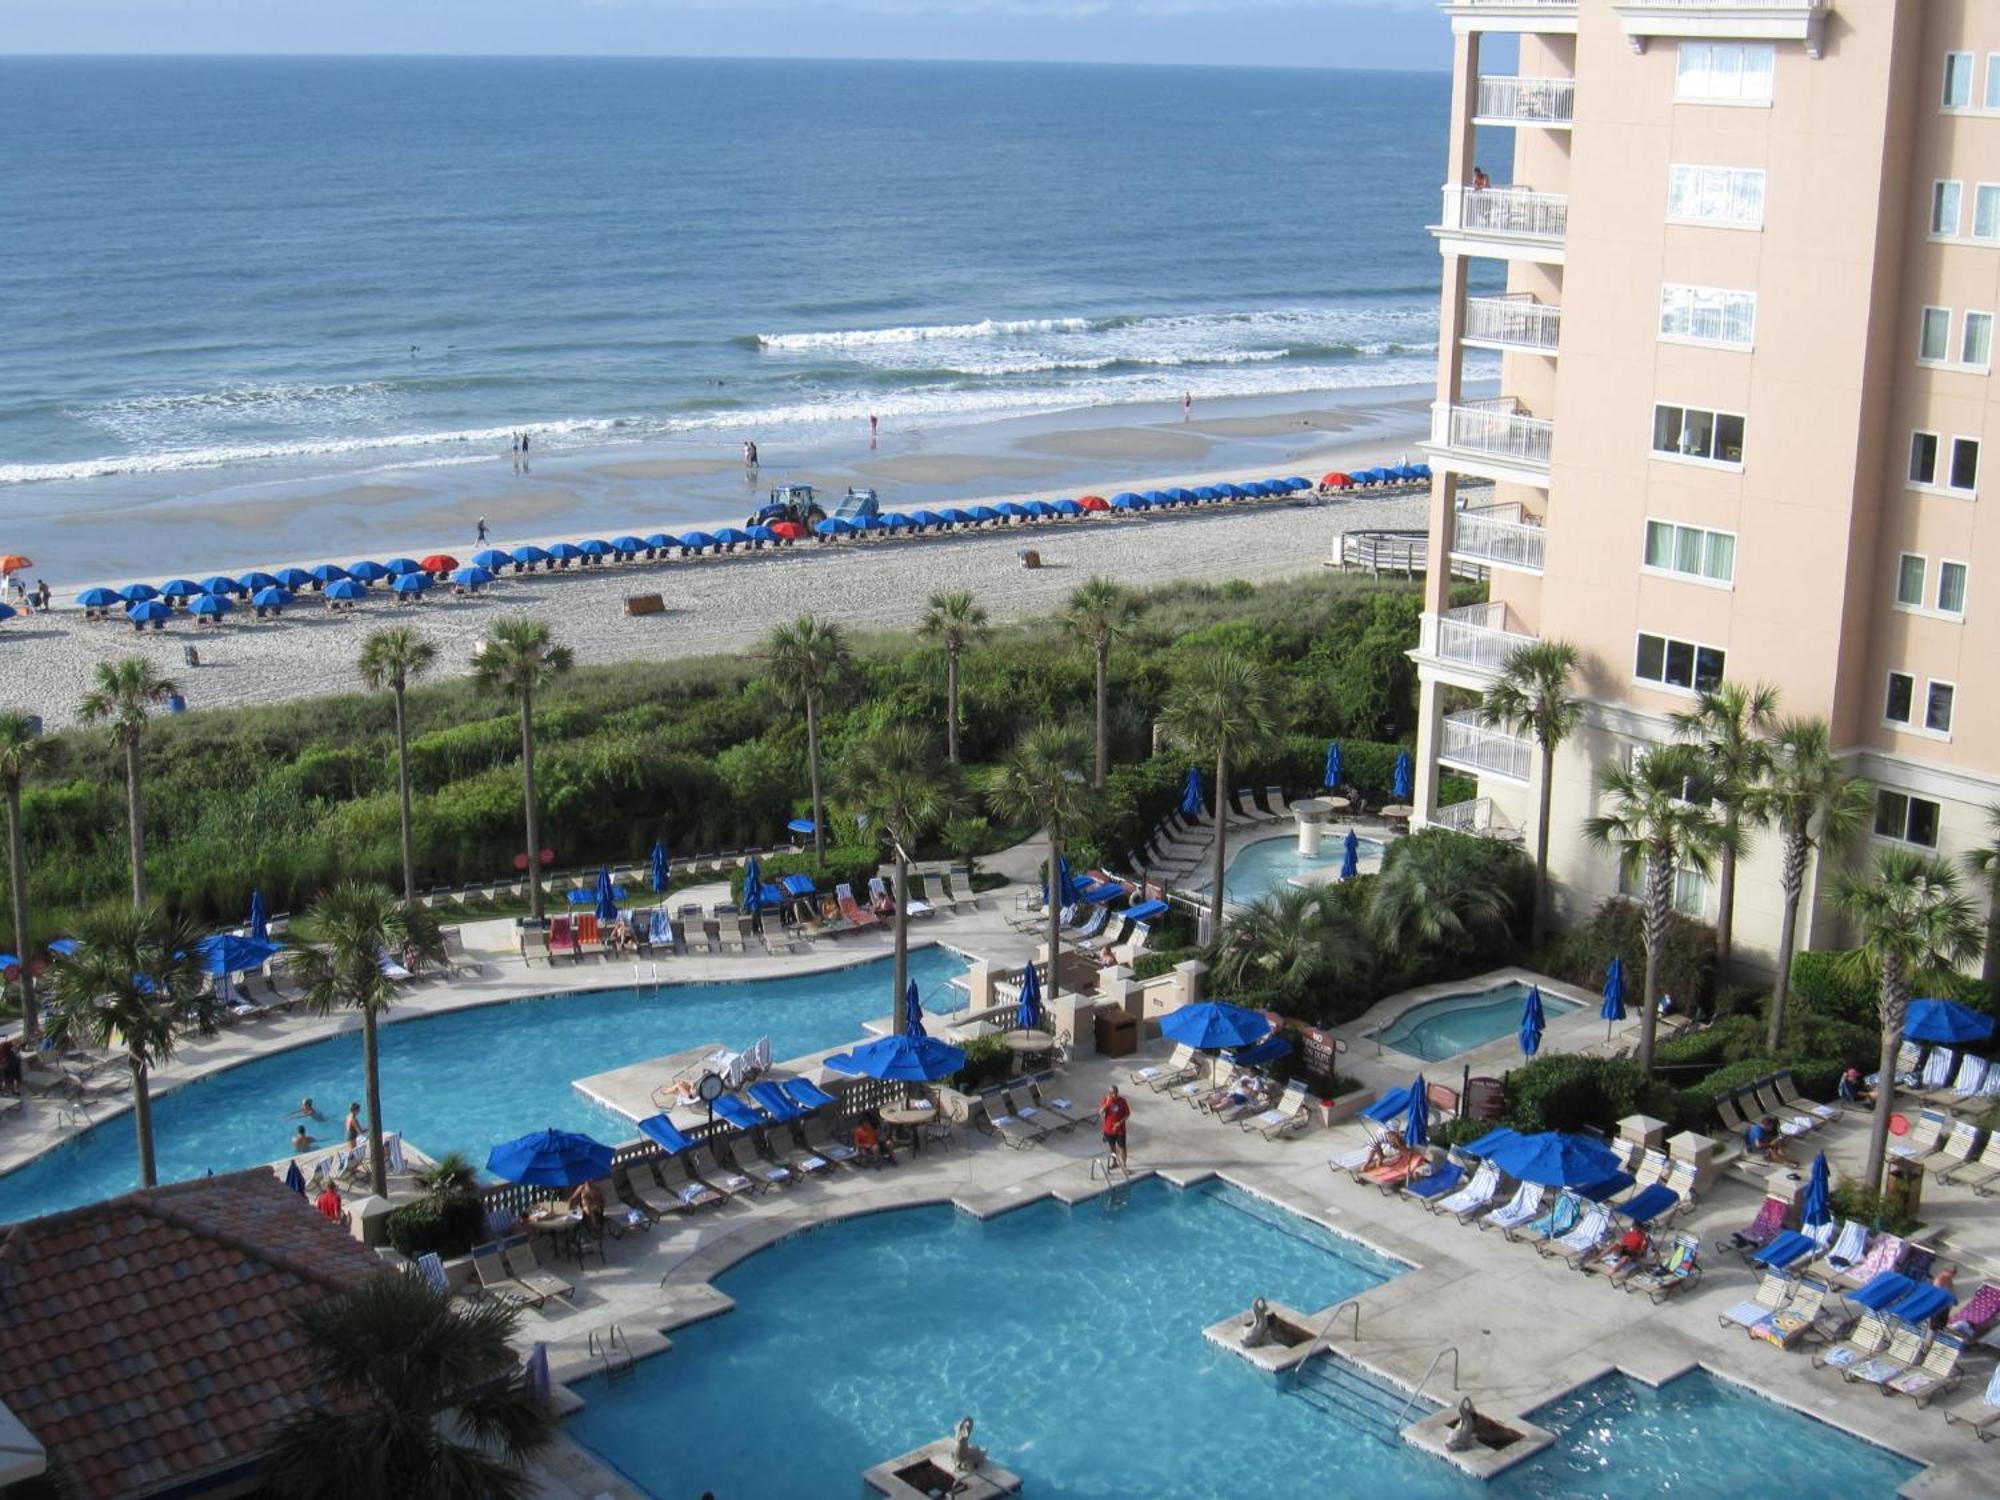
(865, 338)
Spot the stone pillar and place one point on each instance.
(1117, 987)
(1430, 730)
(1699, 1152)
(1644, 1129)
(1188, 981)
(979, 985)
(1309, 831)
(369, 1218)
(1073, 1017)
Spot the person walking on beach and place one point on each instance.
(1112, 1113)
(482, 528)
(874, 424)
(1187, 406)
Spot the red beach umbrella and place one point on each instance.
(791, 531)
(438, 562)
(1094, 502)
(1334, 481)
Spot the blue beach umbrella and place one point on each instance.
(492, 557)
(10, 611)
(149, 612)
(1946, 1021)
(831, 526)
(1613, 1009)
(327, 573)
(1013, 510)
(1350, 855)
(253, 580)
(627, 544)
(260, 920)
(528, 555)
(226, 953)
(269, 598)
(895, 520)
(804, 827)
(98, 599)
(696, 541)
(1417, 1126)
(1067, 508)
(221, 584)
(926, 518)
(367, 570)
(983, 513)
(347, 588)
(294, 579)
(654, 539)
(566, 552)
(1816, 1208)
(595, 546)
(1212, 1024)
(913, 1013)
(550, 1158)
(1553, 1159)
(412, 583)
(958, 516)
(1299, 482)
(1331, 776)
(1028, 1017)
(1039, 509)
(753, 886)
(1206, 492)
(606, 900)
(1402, 783)
(1532, 1021)
(1193, 803)
(471, 578)
(762, 534)
(402, 567)
(731, 536)
(657, 876)
(179, 588)
(138, 593)
(901, 1059)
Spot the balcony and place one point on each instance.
(1549, 17)
(1498, 536)
(1549, 102)
(1726, 20)
(1478, 817)
(1475, 638)
(1494, 438)
(1515, 321)
(1508, 223)
(1469, 745)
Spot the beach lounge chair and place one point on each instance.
(1525, 1205)
(1730, 1116)
(1681, 1179)
(1981, 1167)
(1274, 798)
(1442, 1179)
(1650, 1204)
(1937, 1373)
(1797, 1319)
(935, 893)
(1982, 1419)
(1788, 1249)
(961, 888)
(1926, 1136)
(1939, 1064)
(1562, 1216)
(1773, 1292)
(1882, 1255)
(1789, 1095)
(1248, 805)
(1090, 928)
(517, 1253)
(496, 1281)
(878, 893)
(1679, 1267)
(642, 1196)
(1904, 1352)
(1964, 1144)
(1037, 1118)
(589, 935)
(1964, 1085)
(856, 914)
(1108, 934)
(1653, 1167)
(1583, 1242)
(1476, 1196)
(1180, 1066)
(1056, 1104)
(1848, 1246)
(561, 940)
(1868, 1338)
(1758, 1233)
(1980, 1313)
(1013, 1131)
(1291, 1115)
(428, 1269)
(695, 1192)
(1394, 1172)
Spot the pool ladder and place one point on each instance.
(609, 1347)
(1436, 1360)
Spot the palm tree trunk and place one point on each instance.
(951, 705)
(371, 1064)
(142, 1120)
(1895, 1003)
(528, 803)
(1989, 967)
(1659, 904)
(403, 790)
(812, 765)
(1054, 904)
(1221, 850)
(901, 929)
(17, 890)
(1791, 883)
(1103, 712)
(1725, 895)
(1539, 924)
(135, 820)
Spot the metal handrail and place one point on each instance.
(1436, 1360)
(1323, 1340)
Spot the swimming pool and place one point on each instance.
(1074, 1337)
(1452, 1024)
(469, 1079)
(1255, 870)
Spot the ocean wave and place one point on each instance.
(866, 338)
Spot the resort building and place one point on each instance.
(1751, 262)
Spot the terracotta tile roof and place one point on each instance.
(146, 1340)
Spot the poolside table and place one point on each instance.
(564, 1229)
(911, 1119)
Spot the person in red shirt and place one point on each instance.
(1112, 1113)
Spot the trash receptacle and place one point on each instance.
(1905, 1193)
(1117, 1034)
(176, 704)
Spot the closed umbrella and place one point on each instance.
(913, 1013)
(550, 1158)
(607, 899)
(260, 921)
(1213, 1024)
(1193, 804)
(1028, 1016)
(1417, 1127)
(1613, 1009)
(1401, 784)
(657, 878)
(1350, 855)
(295, 1179)
(1946, 1021)
(1532, 1021)
(901, 1059)
(1816, 1208)
(1331, 776)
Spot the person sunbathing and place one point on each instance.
(1629, 1254)
(1388, 1147)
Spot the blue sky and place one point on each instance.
(1314, 33)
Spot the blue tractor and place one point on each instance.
(799, 503)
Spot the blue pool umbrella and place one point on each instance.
(295, 1179)
(1028, 1016)
(1946, 1021)
(226, 953)
(471, 578)
(138, 593)
(1816, 1208)
(1213, 1024)
(913, 1013)
(492, 557)
(347, 588)
(1350, 855)
(1532, 1021)
(1193, 803)
(802, 826)
(260, 920)
(753, 886)
(657, 876)
(696, 541)
(606, 899)
(179, 588)
(98, 599)
(211, 606)
(1553, 1159)
(270, 598)
(402, 567)
(412, 583)
(901, 1059)
(550, 1158)
(528, 554)
(253, 580)
(1613, 1009)
(1069, 890)
(149, 612)
(294, 578)
(327, 573)
(1401, 783)
(367, 570)
(1417, 1126)
(1331, 776)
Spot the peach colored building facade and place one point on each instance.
(1752, 259)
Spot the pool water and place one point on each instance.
(1452, 1024)
(1073, 1336)
(1258, 869)
(469, 1079)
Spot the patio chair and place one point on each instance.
(1798, 1319)
(1247, 804)
(1730, 1116)
(1982, 1419)
(1926, 1137)
(1014, 1132)
(533, 942)
(1937, 1373)
(1679, 1267)
(1653, 1167)
(642, 1196)
(729, 1178)
(1904, 1352)
(856, 914)
(1789, 1095)
(1108, 936)
(1773, 1292)
(962, 894)
(935, 893)
(1274, 798)
(561, 939)
(1046, 1120)
(766, 1170)
(1181, 1065)
(1475, 1197)
(496, 1281)
(1057, 1104)
(1965, 1142)
(517, 1253)
(1883, 1254)
(1977, 1169)
(1525, 1205)
(1582, 1243)
(589, 936)
(1681, 1179)
(1980, 1313)
(696, 1192)
(1561, 1217)
(1939, 1064)
(1848, 1246)
(428, 1269)
(1427, 1187)
(1292, 1114)
(1964, 1085)
(1758, 1233)
(1394, 1172)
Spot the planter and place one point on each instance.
(1339, 1110)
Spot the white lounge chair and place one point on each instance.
(1291, 1115)
(1476, 1195)
(1526, 1204)
(1984, 1418)
(1178, 1068)
(1583, 1241)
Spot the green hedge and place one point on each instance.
(988, 1060)
(1832, 983)
(423, 1226)
(1582, 955)
(846, 864)
(1565, 1091)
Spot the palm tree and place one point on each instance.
(810, 661)
(894, 777)
(345, 935)
(1728, 724)
(417, 1400)
(1913, 922)
(1284, 940)
(23, 752)
(124, 696)
(1041, 781)
(1099, 612)
(954, 621)
(1656, 830)
(1223, 709)
(1983, 861)
(1532, 699)
(134, 984)
(1813, 803)
(1437, 890)
(518, 659)
(390, 658)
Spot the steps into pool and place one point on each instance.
(1352, 1396)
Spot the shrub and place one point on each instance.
(1157, 961)
(1565, 1091)
(1854, 1200)
(988, 1060)
(1460, 1131)
(448, 1228)
(1831, 983)
(1582, 955)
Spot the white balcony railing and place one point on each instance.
(1471, 745)
(1477, 636)
(1494, 429)
(1479, 816)
(1527, 101)
(1518, 212)
(1515, 321)
(1490, 537)
(1738, 20)
(1552, 8)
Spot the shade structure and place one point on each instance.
(656, 874)
(804, 826)
(1338, 479)
(926, 518)
(491, 557)
(412, 583)
(1553, 1159)
(659, 539)
(326, 573)
(1613, 1009)
(904, 1059)
(566, 552)
(550, 1158)
(402, 567)
(1350, 855)
(260, 920)
(1093, 502)
(1532, 1021)
(529, 554)
(98, 599)
(1067, 507)
(731, 536)
(220, 583)
(1039, 508)
(913, 1013)
(1331, 776)
(1298, 482)
(270, 598)
(761, 533)
(1417, 1123)
(1816, 1207)
(628, 544)
(211, 606)
(1193, 802)
(13, 562)
(254, 580)
(696, 541)
(895, 520)
(957, 516)
(138, 593)
(226, 953)
(983, 513)
(1212, 1024)
(1230, 491)
(471, 578)
(753, 886)
(347, 588)
(1205, 493)
(148, 612)
(294, 578)
(606, 899)
(1028, 1015)
(1402, 783)
(595, 546)
(1946, 1021)
(1012, 509)
(439, 562)
(179, 588)
(831, 526)
(788, 531)
(367, 570)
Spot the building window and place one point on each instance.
(1677, 664)
(1690, 888)
(1691, 550)
(1934, 336)
(1906, 819)
(1993, 80)
(1724, 73)
(1901, 695)
(1910, 570)
(1951, 588)
(1937, 706)
(1986, 211)
(1717, 195)
(1923, 457)
(1975, 344)
(1945, 201)
(1957, 80)
(1961, 475)
(1709, 315)
(1964, 464)
(1691, 432)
